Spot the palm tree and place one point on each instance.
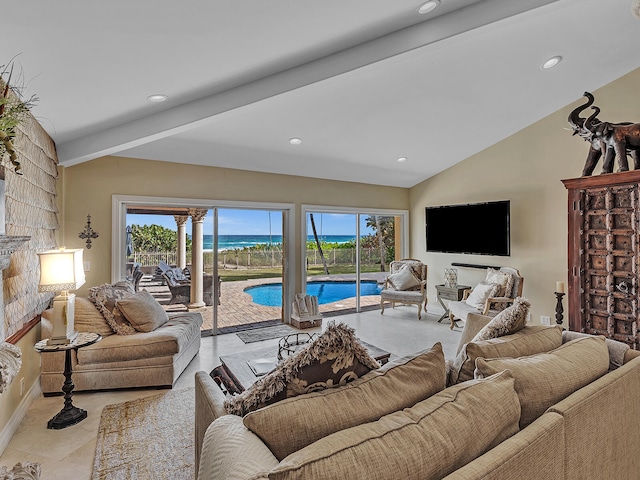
(315, 235)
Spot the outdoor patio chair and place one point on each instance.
(181, 290)
(406, 284)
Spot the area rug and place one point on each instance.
(265, 333)
(147, 438)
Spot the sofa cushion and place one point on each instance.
(544, 379)
(331, 360)
(316, 415)
(105, 296)
(427, 441)
(528, 341)
(143, 312)
(617, 350)
(87, 318)
(170, 339)
(511, 320)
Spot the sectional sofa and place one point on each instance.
(567, 412)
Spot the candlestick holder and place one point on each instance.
(559, 308)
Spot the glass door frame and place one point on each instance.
(120, 203)
(358, 212)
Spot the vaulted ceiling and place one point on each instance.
(362, 83)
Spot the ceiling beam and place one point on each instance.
(196, 113)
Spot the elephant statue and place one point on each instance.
(622, 139)
(596, 148)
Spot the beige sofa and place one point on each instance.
(591, 433)
(153, 359)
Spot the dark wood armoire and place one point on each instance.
(604, 255)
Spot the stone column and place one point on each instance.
(197, 258)
(181, 222)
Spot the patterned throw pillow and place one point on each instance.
(508, 321)
(503, 279)
(404, 279)
(335, 358)
(105, 297)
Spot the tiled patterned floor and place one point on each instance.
(237, 308)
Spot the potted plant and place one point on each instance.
(13, 111)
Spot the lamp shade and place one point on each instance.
(61, 270)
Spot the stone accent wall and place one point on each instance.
(30, 210)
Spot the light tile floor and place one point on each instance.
(69, 453)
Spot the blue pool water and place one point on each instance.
(327, 292)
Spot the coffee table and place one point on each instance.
(236, 375)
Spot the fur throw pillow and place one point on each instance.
(333, 359)
(508, 321)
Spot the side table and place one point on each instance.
(449, 293)
(69, 415)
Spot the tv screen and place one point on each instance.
(475, 228)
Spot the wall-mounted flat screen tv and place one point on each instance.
(474, 228)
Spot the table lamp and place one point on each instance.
(60, 271)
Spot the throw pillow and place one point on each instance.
(508, 321)
(528, 341)
(430, 440)
(104, 297)
(502, 279)
(143, 312)
(478, 296)
(333, 359)
(404, 279)
(543, 380)
(397, 385)
(87, 318)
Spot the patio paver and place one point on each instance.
(237, 308)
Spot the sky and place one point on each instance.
(256, 222)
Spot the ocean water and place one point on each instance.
(230, 242)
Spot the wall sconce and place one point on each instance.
(60, 271)
(88, 233)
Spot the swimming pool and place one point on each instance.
(270, 294)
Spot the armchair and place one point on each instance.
(507, 282)
(406, 284)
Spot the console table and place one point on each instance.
(449, 293)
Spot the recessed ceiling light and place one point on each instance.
(429, 6)
(402, 159)
(552, 62)
(295, 141)
(157, 98)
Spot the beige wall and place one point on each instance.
(13, 406)
(88, 188)
(527, 169)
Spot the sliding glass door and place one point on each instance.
(348, 254)
(230, 254)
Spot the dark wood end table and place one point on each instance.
(236, 375)
(449, 293)
(70, 414)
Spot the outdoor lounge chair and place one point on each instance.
(181, 290)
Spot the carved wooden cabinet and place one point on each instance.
(604, 255)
